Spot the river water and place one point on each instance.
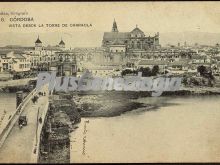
(182, 129)
(7, 107)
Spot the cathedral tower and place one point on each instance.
(114, 27)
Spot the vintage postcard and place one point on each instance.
(109, 82)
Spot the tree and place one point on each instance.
(126, 71)
(146, 72)
(184, 81)
(155, 70)
(202, 70)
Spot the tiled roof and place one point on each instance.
(217, 58)
(18, 56)
(52, 48)
(178, 63)
(202, 63)
(199, 57)
(5, 57)
(102, 68)
(18, 52)
(137, 30)
(159, 62)
(152, 62)
(4, 52)
(117, 42)
(114, 35)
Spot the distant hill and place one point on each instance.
(94, 38)
(202, 38)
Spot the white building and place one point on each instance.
(15, 61)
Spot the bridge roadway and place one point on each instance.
(20, 144)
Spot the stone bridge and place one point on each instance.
(22, 145)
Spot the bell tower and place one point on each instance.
(38, 44)
(114, 27)
(62, 44)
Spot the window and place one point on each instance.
(138, 45)
(132, 44)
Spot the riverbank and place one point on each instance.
(13, 86)
(14, 89)
(115, 103)
(182, 91)
(108, 104)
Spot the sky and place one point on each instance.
(151, 17)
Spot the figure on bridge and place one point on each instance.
(34, 99)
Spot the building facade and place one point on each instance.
(41, 55)
(65, 65)
(14, 61)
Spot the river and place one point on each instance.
(7, 107)
(182, 129)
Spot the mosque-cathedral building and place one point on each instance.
(119, 47)
(134, 40)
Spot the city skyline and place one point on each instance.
(81, 39)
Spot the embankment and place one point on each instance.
(17, 85)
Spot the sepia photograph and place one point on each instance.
(110, 82)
